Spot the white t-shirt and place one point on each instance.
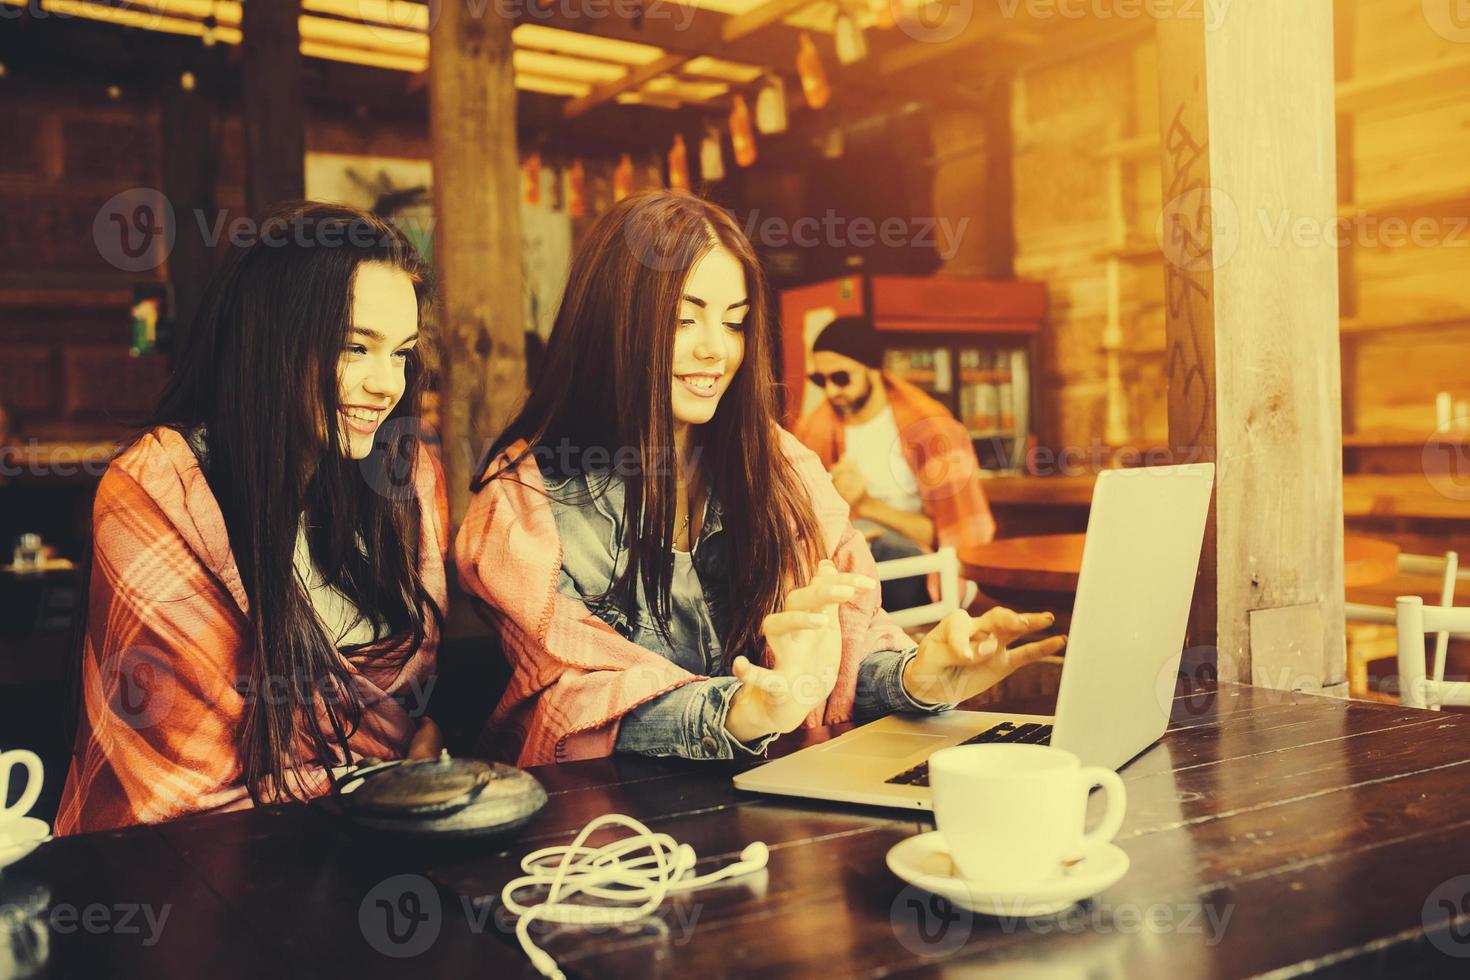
(345, 625)
(874, 446)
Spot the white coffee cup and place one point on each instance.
(1012, 814)
(9, 761)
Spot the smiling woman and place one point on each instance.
(268, 589)
(375, 360)
(671, 573)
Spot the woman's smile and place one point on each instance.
(363, 419)
(703, 384)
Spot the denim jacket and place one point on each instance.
(688, 721)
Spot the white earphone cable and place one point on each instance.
(644, 869)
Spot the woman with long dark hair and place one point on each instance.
(669, 572)
(267, 586)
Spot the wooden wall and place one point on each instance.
(65, 368)
(1087, 202)
(64, 310)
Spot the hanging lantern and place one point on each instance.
(813, 75)
(711, 156)
(531, 179)
(679, 164)
(210, 33)
(852, 47)
(577, 190)
(741, 134)
(623, 178)
(770, 107)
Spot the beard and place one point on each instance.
(850, 407)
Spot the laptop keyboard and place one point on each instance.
(1007, 732)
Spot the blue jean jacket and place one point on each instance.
(688, 721)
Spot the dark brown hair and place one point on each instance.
(605, 386)
(258, 373)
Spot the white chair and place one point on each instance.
(947, 564)
(1447, 569)
(1414, 620)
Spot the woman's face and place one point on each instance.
(709, 341)
(371, 374)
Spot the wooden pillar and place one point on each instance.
(477, 233)
(1246, 110)
(999, 229)
(189, 171)
(274, 116)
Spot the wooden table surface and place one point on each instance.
(1053, 562)
(1426, 495)
(1267, 831)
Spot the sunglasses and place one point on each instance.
(839, 378)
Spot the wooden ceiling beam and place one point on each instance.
(732, 30)
(743, 25)
(630, 82)
(677, 27)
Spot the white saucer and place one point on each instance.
(924, 861)
(21, 837)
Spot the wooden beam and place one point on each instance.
(1252, 328)
(743, 25)
(632, 80)
(274, 117)
(1345, 18)
(732, 30)
(477, 234)
(986, 25)
(189, 175)
(677, 27)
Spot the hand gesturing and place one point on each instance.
(951, 666)
(805, 640)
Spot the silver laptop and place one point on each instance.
(1144, 535)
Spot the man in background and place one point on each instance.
(904, 465)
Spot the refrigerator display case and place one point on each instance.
(970, 344)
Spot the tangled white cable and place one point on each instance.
(643, 869)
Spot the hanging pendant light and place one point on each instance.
(741, 133)
(678, 164)
(623, 178)
(577, 190)
(813, 74)
(531, 179)
(211, 28)
(770, 106)
(847, 35)
(711, 156)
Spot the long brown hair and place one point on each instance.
(605, 387)
(258, 374)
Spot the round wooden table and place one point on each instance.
(1051, 563)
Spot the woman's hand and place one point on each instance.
(965, 655)
(805, 639)
(427, 741)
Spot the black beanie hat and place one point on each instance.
(854, 337)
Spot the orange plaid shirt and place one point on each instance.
(938, 450)
(165, 663)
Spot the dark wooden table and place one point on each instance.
(1268, 832)
(1041, 572)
